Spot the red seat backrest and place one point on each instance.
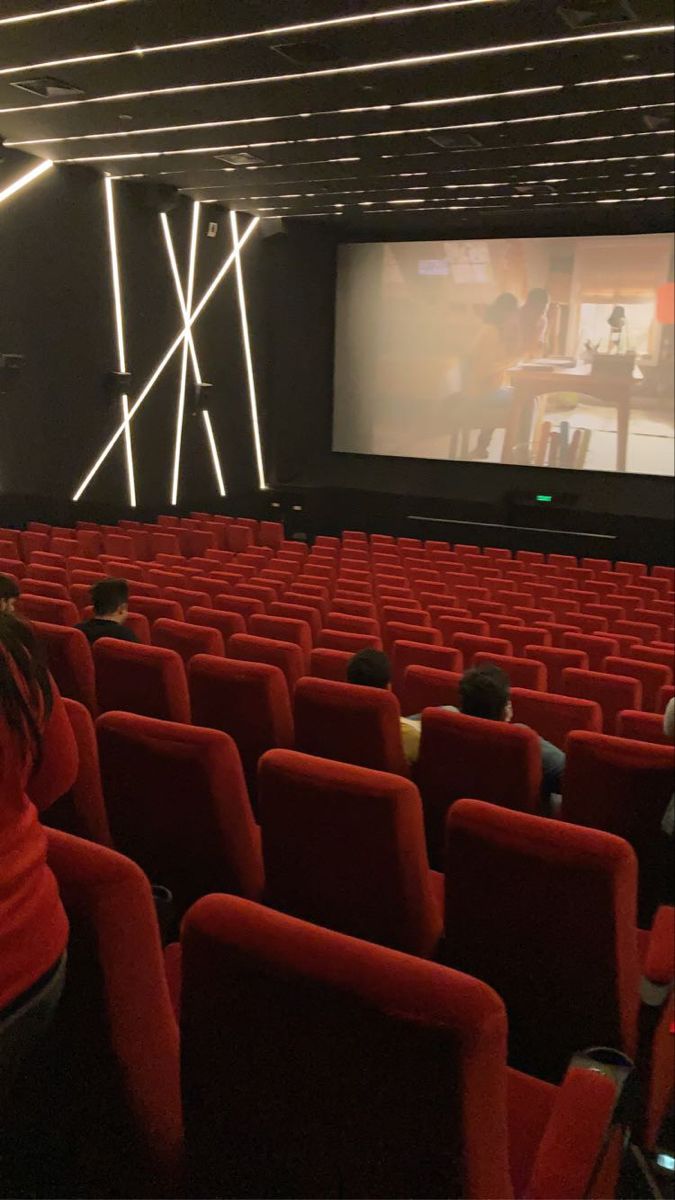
(44, 608)
(612, 692)
(49, 574)
(188, 597)
(344, 847)
(286, 655)
(642, 727)
(348, 723)
(337, 639)
(652, 676)
(187, 640)
(246, 606)
(41, 587)
(492, 760)
(584, 956)
(406, 654)
(553, 717)
(226, 623)
(248, 700)
(556, 658)
(404, 631)
(178, 805)
(147, 680)
(154, 607)
(595, 647)
(623, 787)
(69, 659)
(524, 635)
(471, 644)
(522, 672)
(329, 664)
(299, 612)
(349, 623)
(428, 687)
(283, 629)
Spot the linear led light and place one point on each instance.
(417, 60)
(246, 342)
(193, 353)
(228, 38)
(66, 11)
(294, 116)
(180, 415)
(119, 330)
(220, 274)
(24, 180)
(214, 452)
(378, 133)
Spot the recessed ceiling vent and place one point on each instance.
(597, 14)
(47, 88)
(240, 158)
(308, 54)
(455, 141)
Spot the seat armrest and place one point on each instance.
(659, 965)
(577, 1136)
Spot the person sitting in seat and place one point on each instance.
(9, 594)
(110, 599)
(485, 692)
(370, 668)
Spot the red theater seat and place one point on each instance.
(329, 664)
(299, 612)
(344, 847)
(624, 787)
(248, 700)
(41, 587)
(246, 606)
(154, 607)
(405, 654)
(69, 659)
(524, 635)
(348, 723)
(187, 640)
(492, 760)
(188, 597)
(471, 644)
(569, 974)
(147, 680)
(178, 806)
(12, 567)
(596, 648)
(402, 631)
(283, 629)
(370, 1073)
(641, 630)
(556, 659)
(335, 639)
(652, 676)
(286, 655)
(554, 717)
(47, 610)
(665, 696)
(612, 692)
(642, 727)
(449, 626)
(522, 672)
(428, 687)
(349, 623)
(81, 810)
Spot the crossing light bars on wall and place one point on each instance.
(119, 331)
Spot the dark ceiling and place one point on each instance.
(513, 109)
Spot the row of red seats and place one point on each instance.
(311, 808)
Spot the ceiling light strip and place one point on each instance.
(225, 267)
(25, 179)
(246, 342)
(417, 60)
(205, 43)
(214, 452)
(119, 330)
(68, 10)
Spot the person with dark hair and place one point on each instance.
(38, 764)
(484, 377)
(370, 668)
(9, 594)
(110, 599)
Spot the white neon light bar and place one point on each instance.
(180, 415)
(66, 11)
(381, 133)
(193, 353)
(119, 331)
(417, 60)
(248, 358)
(214, 452)
(225, 267)
(24, 180)
(223, 39)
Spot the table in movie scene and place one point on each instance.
(603, 387)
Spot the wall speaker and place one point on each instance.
(116, 384)
(200, 398)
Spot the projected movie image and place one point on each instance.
(544, 351)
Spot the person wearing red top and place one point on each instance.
(38, 764)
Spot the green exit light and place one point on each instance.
(545, 499)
